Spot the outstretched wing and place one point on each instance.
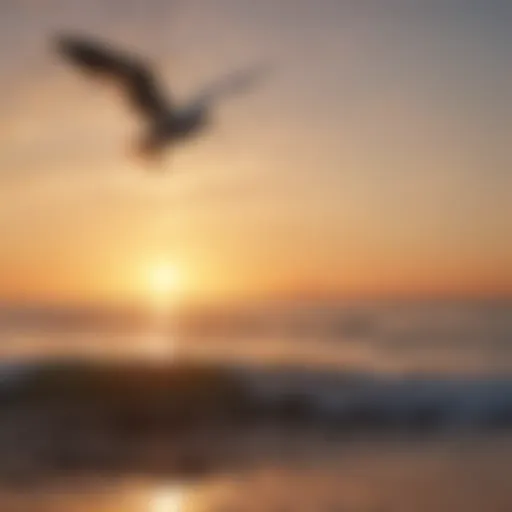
(134, 77)
(240, 81)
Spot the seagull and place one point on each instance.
(166, 124)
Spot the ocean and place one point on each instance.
(391, 406)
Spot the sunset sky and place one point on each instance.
(374, 160)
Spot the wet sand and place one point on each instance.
(295, 471)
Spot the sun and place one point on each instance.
(163, 280)
(163, 284)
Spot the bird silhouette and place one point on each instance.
(166, 124)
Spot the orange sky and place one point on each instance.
(374, 162)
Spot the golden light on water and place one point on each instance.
(168, 499)
(158, 346)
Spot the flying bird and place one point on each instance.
(166, 124)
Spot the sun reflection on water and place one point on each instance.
(168, 499)
(158, 347)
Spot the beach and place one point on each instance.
(302, 473)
